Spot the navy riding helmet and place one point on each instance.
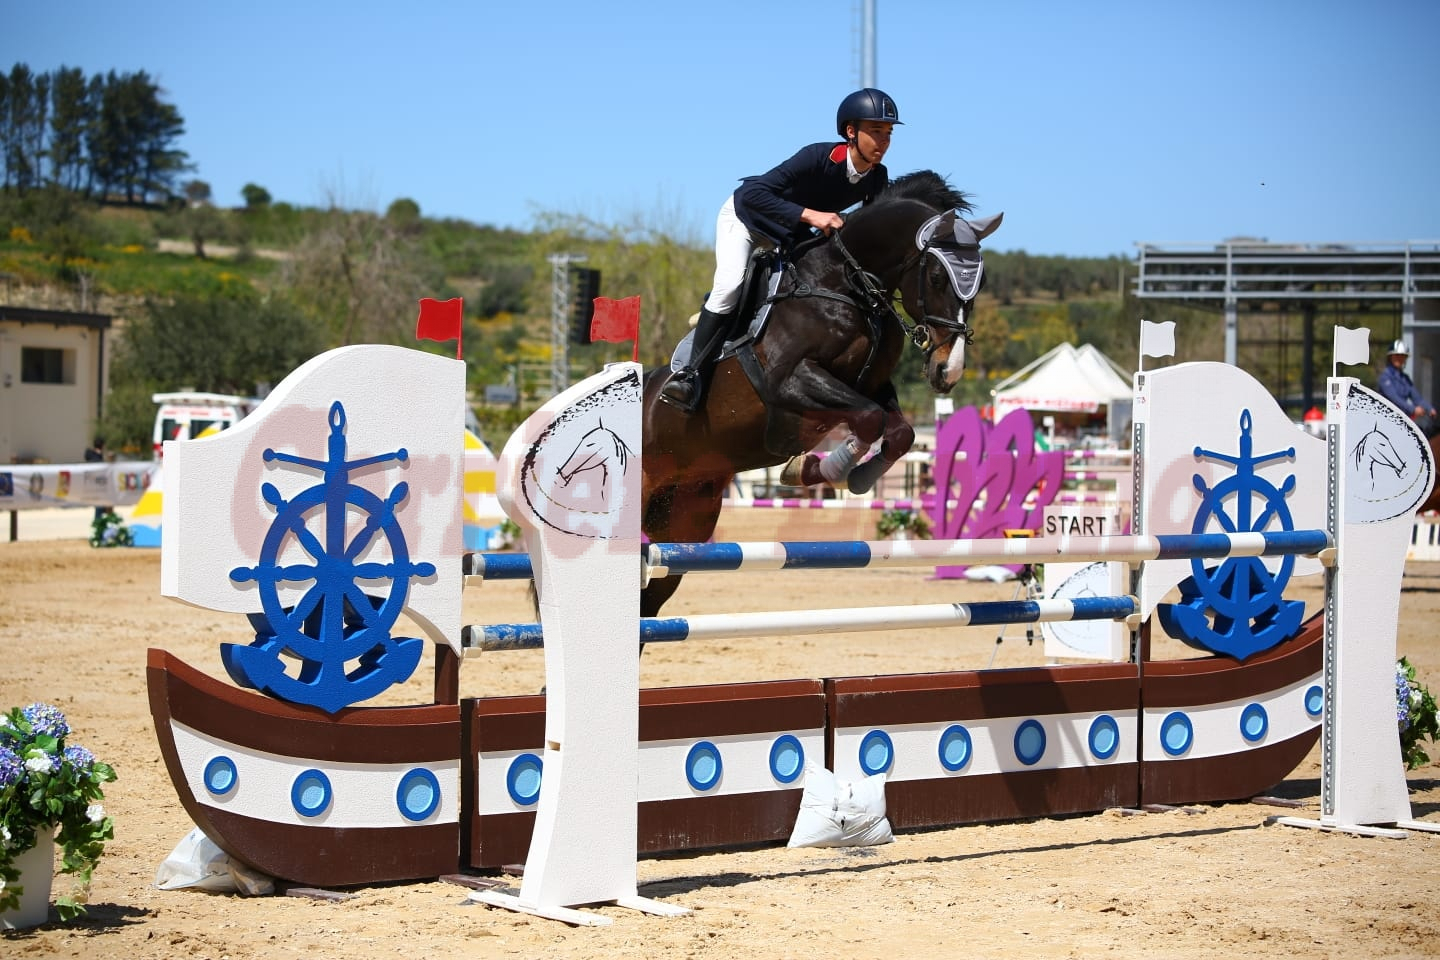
(867, 104)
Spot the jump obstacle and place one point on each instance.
(318, 791)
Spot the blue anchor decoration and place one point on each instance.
(1250, 612)
(335, 622)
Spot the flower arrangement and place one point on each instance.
(509, 534)
(46, 785)
(911, 522)
(108, 530)
(1416, 714)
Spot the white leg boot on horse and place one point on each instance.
(896, 439)
(808, 470)
(686, 388)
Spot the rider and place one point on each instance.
(779, 208)
(1397, 387)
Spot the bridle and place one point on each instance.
(872, 299)
(868, 292)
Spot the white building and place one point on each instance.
(53, 366)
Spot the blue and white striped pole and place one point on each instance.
(665, 559)
(781, 623)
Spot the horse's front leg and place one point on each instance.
(811, 389)
(898, 438)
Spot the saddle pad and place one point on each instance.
(681, 356)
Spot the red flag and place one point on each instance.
(616, 321)
(441, 320)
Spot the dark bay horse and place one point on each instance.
(1432, 502)
(824, 358)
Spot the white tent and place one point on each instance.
(1070, 379)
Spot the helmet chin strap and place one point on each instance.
(855, 145)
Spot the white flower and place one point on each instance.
(95, 813)
(39, 763)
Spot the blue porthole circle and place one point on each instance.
(1029, 742)
(418, 794)
(877, 752)
(1254, 723)
(955, 748)
(220, 775)
(311, 793)
(1176, 734)
(703, 766)
(1314, 701)
(522, 780)
(1104, 737)
(787, 758)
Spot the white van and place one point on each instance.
(185, 416)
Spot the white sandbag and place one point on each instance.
(837, 813)
(197, 863)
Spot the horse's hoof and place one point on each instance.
(794, 472)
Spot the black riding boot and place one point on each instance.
(686, 387)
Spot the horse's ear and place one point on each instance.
(941, 226)
(986, 225)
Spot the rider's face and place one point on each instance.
(872, 138)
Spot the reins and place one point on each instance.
(869, 297)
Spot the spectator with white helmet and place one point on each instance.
(1397, 387)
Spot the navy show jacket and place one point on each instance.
(815, 177)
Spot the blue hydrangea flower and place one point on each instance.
(12, 768)
(80, 757)
(47, 720)
(1404, 698)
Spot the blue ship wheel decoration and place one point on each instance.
(335, 622)
(1250, 613)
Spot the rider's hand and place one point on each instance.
(824, 222)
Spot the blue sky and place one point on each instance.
(1092, 126)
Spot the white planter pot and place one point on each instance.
(37, 874)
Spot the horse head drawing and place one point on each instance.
(1374, 451)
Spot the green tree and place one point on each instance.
(219, 343)
(132, 140)
(363, 276)
(196, 218)
(256, 197)
(645, 256)
(22, 127)
(69, 117)
(506, 286)
(404, 215)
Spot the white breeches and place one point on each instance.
(733, 244)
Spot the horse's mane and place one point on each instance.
(929, 188)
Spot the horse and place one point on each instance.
(1432, 502)
(823, 358)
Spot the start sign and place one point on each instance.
(1071, 522)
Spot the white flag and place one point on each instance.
(1352, 346)
(1157, 339)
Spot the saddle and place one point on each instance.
(760, 289)
(763, 274)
